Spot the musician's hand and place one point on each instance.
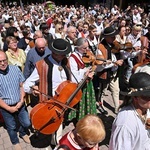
(107, 62)
(137, 48)
(119, 62)
(144, 51)
(90, 73)
(35, 91)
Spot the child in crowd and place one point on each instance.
(89, 131)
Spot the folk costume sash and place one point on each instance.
(79, 62)
(45, 69)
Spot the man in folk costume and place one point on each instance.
(107, 71)
(50, 72)
(130, 127)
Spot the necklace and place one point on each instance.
(60, 68)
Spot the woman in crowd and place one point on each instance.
(13, 31)
(16, 56)
(79, 68)
(59, 31)
(93, 42)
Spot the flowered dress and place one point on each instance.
(87, 104)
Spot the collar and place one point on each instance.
(4, 72)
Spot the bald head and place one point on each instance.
(40, 44)
(40, 41)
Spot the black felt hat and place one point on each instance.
(109, 32)
(60, 46)
(139, 85)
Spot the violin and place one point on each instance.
(126, 47)
(89, 57)
(46, 117)
(144, 58)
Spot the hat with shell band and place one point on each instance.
(60, 46)
(109, 32)
(139, 85)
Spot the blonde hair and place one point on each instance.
(136, 27)
(57, 26)
(91, 129)
(10, 38)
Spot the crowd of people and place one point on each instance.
(64, 59)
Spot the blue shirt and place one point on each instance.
(10, 85)
(32, 57)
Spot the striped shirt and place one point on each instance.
(10, 85)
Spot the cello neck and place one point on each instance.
(79, 87)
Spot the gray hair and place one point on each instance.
(80, 41)
(70, 28)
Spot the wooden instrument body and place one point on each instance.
(46, 117)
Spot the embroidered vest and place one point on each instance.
(79, 62)
(45, 69)
(103, 74)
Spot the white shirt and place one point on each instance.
(107, 66)
(78, 74)
(57, 77)
(128, 132)
(135, 40)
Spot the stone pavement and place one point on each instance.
(42, 141)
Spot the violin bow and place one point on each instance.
(55, 100)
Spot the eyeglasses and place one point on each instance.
(3, 61)
(127, 29)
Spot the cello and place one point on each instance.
(46, 117)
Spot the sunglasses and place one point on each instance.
(127, 29)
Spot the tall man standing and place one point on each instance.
(107, 72)
(12, 101)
